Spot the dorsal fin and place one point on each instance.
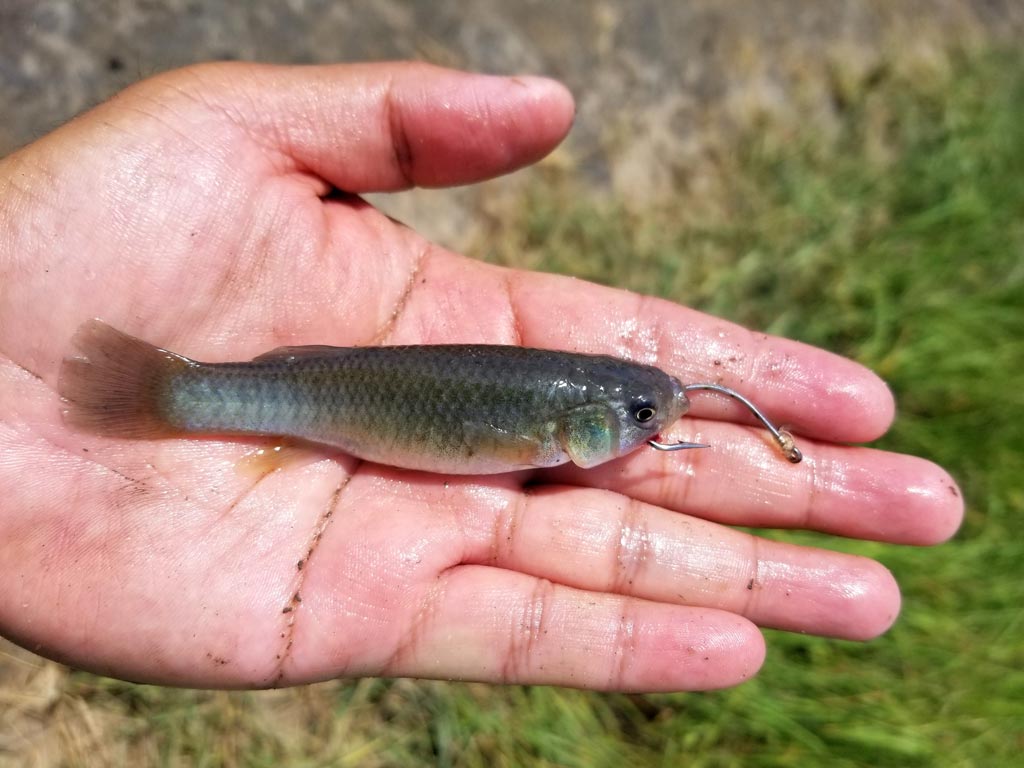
(311, 350)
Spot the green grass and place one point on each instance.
(898, 241)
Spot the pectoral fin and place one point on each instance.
(589, 434)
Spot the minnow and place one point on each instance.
(453, 408)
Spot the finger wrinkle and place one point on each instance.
(624, 645)
(680, 470)
(507, 522)
(515, 324)
(527, 634)
(812, 473)
(401, 147)
(632, 551)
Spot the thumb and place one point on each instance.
(389, 126)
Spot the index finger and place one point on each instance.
(452, 299)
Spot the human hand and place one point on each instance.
(196, 210)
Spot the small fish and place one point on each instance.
(462, 409)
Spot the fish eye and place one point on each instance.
(643, 412)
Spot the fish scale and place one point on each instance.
(468, 409)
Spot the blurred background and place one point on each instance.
(846, 173)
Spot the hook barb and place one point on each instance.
(675, 446)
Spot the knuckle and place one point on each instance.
(632, 550)
(527, 633)
(624, 646)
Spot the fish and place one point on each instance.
(449, 408)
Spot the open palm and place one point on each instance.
(201, 211)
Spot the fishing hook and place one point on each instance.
(784, 439)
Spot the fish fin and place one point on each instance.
(589, 434)
(282, 453)
(311, 350)
(113, 387)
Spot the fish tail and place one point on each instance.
(115, 386)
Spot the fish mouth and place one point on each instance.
(680, 402)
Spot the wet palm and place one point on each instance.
(198, 210)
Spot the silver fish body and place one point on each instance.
(466, 409)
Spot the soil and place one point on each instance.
(657, 82)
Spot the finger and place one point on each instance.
(602, 542)
(742, 479)
(493, 625)
(389, 126)
(820, 394)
